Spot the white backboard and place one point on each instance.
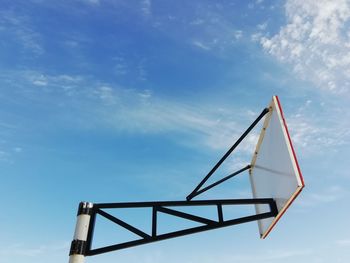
(275, 172)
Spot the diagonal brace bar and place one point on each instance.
(221, 181)
(123, 224)
(186, 216)
(262, 114)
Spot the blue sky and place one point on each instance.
(109, 101)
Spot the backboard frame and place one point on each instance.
(275, 108)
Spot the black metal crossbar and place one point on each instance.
(163, 207)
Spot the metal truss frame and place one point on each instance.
(167, 207)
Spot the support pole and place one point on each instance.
(79, 244)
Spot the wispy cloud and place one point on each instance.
(65, 82)
(4, 156)
(22, 32)
(146, 6)
(124, 67)
(238, 34)
(275, 255)
(212, 28)
(324, 196)
(8, 148)
(18, 149)
(84, 102)
(200, 45)
(259, 32)
(316, 126)
(8, 154)
(22, 250)
(315, 42)
(343, 242)
(109, 106)
(262, 26)
(93, 2)
(143, 112)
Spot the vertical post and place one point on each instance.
(154, 221)
(79, 244)
(220, 214)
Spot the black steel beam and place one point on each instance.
(158, 207)
(198, 229)
(250, 201)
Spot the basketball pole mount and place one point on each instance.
(81, 245)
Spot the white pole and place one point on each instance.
(77, 253)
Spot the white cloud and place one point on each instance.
(71, 43)
(94, 2)
(146, 6)
(98, 105)
(120, 69)
(123, 67)
(142, 71)
(40, 80)
(22, 32)
(110, 106)
(7, 147)
(317, 126)
(210, 128)
(106, 94)
(4, 156)
(255, 37)
(238, 34)
(262, 26)
(200, 45)
(19, 250)
(276, 255)
(315, 42)
(343, 242)
(7, 152)
(67, 78)
(65, 82)
(107, 106)
(17, 149)
(143, 112)
(329, 195)
(197, 22)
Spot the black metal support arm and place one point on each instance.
(84, 247)
(194, 192)
(164, 207)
